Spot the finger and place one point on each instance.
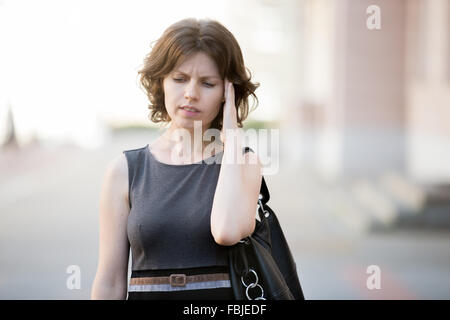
(226, 89)
(230, 93)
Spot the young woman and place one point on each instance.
(178, 214)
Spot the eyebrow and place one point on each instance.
(204, 77)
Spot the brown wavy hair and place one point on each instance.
(178, 42)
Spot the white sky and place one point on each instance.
(63, 64)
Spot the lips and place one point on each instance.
(190, 108)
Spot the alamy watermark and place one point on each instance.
(374, 280)
(74, 280)
(373, 21)
(265, 141)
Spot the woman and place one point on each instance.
(178, 214)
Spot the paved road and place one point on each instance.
(49, 221)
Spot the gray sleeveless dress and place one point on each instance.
(169, 227)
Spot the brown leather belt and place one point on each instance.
(180, 280)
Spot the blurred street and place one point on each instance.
(49, 221)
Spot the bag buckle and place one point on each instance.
(177, 280)
(244, 241)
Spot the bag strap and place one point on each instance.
(264, 191)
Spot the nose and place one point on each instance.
(190, 92)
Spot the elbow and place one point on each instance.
(226, 240)
(230, 238)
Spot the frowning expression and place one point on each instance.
(193, 91)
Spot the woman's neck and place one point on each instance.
(189, 143)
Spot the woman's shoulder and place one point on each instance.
(131, 156)
(136, 150)
(118, 165)
(115, 181)
(117, 170)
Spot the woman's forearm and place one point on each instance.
(234, 206)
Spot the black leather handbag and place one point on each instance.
(261, 265)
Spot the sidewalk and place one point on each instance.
(333, 243)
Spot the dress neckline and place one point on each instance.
(204, 161)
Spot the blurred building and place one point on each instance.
(375, 100)
(427, 89)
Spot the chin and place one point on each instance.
(189, 123)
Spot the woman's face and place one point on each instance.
(194, 83)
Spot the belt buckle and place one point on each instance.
(177, 280)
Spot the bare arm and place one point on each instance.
(112, 270)
(236, 197)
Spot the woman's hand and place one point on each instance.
(229, 111)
